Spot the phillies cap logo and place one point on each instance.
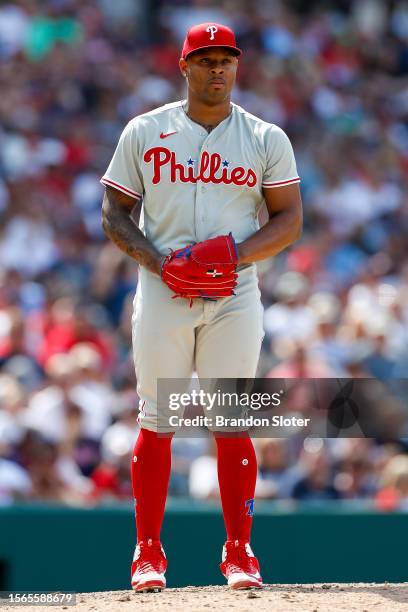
(212, 30)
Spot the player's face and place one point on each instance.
(210, 74)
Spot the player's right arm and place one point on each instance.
(120, 228)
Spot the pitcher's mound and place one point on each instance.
(276, 598)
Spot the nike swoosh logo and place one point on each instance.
(168, 134)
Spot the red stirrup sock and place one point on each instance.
(151, 463)
(237, 470)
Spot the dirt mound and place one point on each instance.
(279, 598)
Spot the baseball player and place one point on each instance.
(200, 170)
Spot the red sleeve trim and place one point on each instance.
(130, 192)
(281, 183)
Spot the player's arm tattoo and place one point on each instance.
(121, 229)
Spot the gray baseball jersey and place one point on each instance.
(197, 185)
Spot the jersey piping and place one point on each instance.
(126, 190)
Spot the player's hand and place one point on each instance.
(206, 269)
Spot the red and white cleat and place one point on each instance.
(148, 567)
(239, 565)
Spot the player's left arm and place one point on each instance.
(284, 226)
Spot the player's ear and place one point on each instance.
(183, 67)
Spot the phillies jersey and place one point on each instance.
(194, 184)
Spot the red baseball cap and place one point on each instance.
(206, 35)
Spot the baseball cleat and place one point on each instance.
(239, 565)
(148, 567)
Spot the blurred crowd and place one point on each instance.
(334, 75)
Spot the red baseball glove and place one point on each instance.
(203, 270)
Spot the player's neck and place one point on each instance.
(207, 116)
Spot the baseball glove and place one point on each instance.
(202, 270)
